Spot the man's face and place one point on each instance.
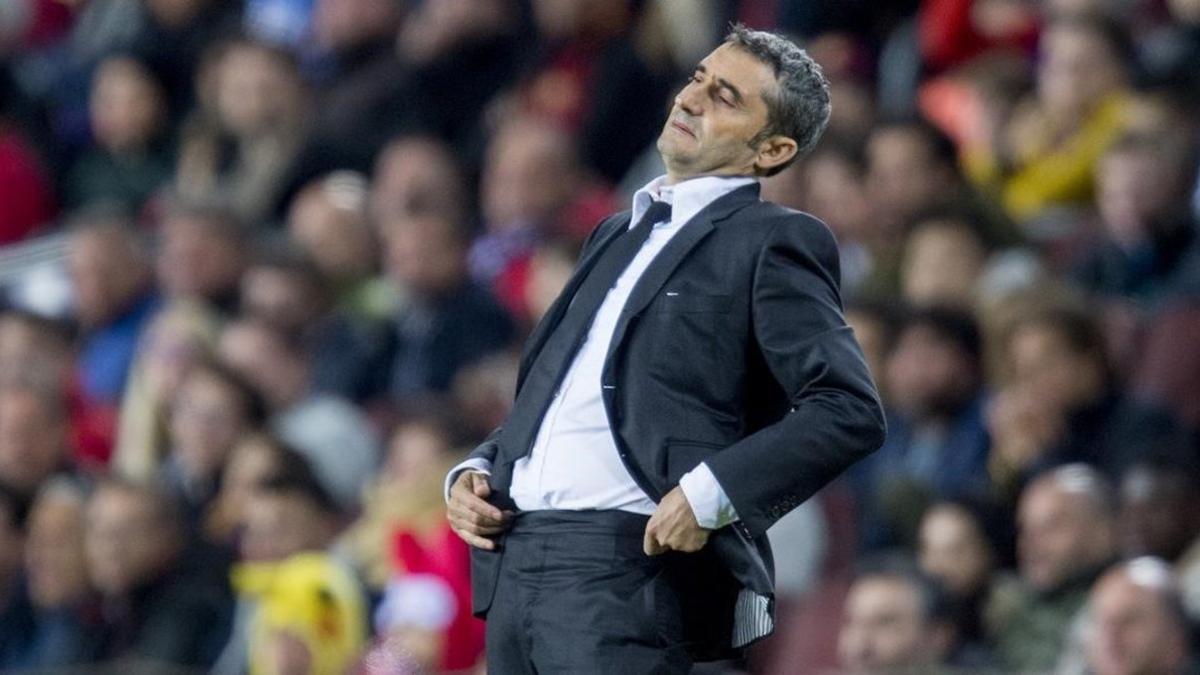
(954, 551)
(929, 374)
(279, 525)
(30, 440)
(1132, 632)
(1059, 536)
(716, 115)
(127, 542)
(883, 627)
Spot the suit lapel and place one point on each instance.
(558, 308)
(674, 253)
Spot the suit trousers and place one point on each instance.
(576, 594)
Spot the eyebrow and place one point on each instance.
(724, 84)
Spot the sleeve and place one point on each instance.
(479, 460)
(709, 503)
(835, 415)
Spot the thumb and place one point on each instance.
(479, 485)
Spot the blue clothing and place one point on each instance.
(108, 352)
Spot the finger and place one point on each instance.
(476, 541)
(469, 501)
(466, 516)
(650, 543)
(479, 485)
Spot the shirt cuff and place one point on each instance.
(709, 503)
(477, 464)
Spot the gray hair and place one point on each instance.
(799, 108)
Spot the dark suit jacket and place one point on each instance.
(732, 350)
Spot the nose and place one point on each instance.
(688, 99)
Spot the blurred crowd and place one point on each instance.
(266, 267)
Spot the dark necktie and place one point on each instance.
(556, 354)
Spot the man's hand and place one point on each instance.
(470, 516)
(673, 527)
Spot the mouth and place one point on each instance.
(682, 128)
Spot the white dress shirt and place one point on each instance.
(574, 463)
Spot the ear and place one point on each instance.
(774, 151)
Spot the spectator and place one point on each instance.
(211, 410)
(155, 608)
(329, 221)
(1063, 403)
(181, 334)
(530, 176)
(418, 174)
(286, 514)
(241, 155)
(328, 430)
(1149, 243)
(957, 547)
(64, 605)
(1138, 624)
(254, 458)
(424, 610)
(937, 444)
(114, 302)
(129, 160)
(945, 255)
(894, 621)
(1056, 138)
(449, 321)
(283, 288)
(1066, 526)
(32, 439)
(201, 255)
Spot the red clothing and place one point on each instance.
(24, 190)
(447, 557)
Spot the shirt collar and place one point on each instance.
(686, 198)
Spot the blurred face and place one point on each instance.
(1185, 11)
(528, 177)
(1049, 371)
(928, 374)
(415, 175)
(55, 564)
(834, 191)
(339, 24)
(422, 252)
(252, 461)
(414, 455)
(1075, 71)
(1134, 189)
(259, 357)
(941, 266)
(902, 175)
(954, 551)
(279, 525)
(196, 260)
(1058, 536)
(883, 628)
(1157, 514)
(336, 238)
(128, 544)
(256, 91)
(1133, 633)
(106, 275)
(126, 106)
(715, 116)
(208, 417)
(278, 297)
(175, 13)
(31, 440)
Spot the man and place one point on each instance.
(1138, 624)
(896, 620)
(154, 607)
(1066, 535)
(694, 382)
